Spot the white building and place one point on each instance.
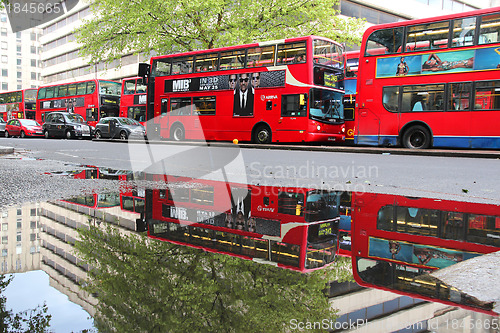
(20, 62)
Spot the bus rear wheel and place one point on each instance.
(177, 133)
(262, 135)
(417, 137)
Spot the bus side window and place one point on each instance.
(490, 29)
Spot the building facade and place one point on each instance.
(49, 54)
(20, 62)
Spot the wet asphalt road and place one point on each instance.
(22, 175)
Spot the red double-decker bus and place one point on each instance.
(294, 228)
(398, 241)
(431, 82)
(92, 99)
(279, 91)
(18, 104)
(133, 99)
(127, 198)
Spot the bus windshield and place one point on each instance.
(321, 206)
(30, 96)
(326, 105)
(328, 53)
(110, 88)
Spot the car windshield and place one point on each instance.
(128, 121)
(29, 122)
(75, 118)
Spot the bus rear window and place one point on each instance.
(327, 53)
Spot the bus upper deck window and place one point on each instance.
(384, 41)
(490, 29)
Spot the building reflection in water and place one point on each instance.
(361, 309)
(20, 233)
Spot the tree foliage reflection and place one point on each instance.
(145, 285)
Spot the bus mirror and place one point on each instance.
(303, 99)
(144, 71)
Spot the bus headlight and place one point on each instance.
(343, 129)
(318, 128)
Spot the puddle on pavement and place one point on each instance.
(250, 233)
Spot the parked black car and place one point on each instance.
(119, 127)
(66, 125)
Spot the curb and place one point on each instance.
(467, 153)
(6, 150)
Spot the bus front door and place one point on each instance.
(367, 128)
(164, 119)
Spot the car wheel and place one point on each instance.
(123, 136)
(46, 134)
(98, 135)
(417, 137)
(23, 135)
(7, 134)
(69, 135)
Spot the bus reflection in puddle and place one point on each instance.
(396, 241)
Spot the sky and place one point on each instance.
(28, 290)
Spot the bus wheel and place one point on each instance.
(123, 136)
(98, 135)
(23, 135)
(177, 133)
(68, 135)
(417, 137)
(262, 135)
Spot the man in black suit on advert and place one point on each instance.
(243, 98)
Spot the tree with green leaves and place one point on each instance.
(29, 321)
(145, 285)
(120, 27)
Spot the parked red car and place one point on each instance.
(23, 128)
